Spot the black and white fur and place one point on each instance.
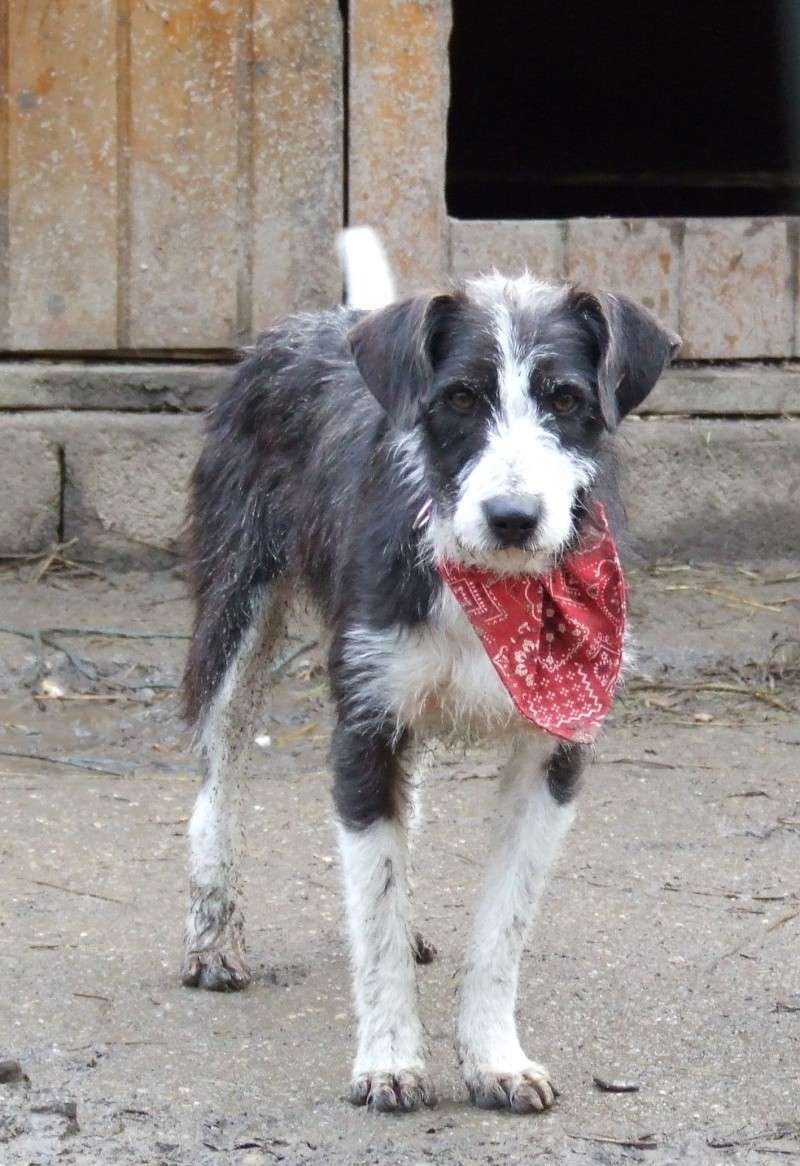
(494, 401)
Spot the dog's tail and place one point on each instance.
(368, 278)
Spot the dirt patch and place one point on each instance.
(666, 955)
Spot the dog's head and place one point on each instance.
(505, 388)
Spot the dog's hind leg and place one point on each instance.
(214, 955)
(535, 814)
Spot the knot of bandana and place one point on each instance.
(555, 640)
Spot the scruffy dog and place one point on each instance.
(397, 465)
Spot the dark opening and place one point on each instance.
(561, 109)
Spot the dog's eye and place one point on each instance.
(462, 399)
(565, 402)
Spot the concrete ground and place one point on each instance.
(667, 956)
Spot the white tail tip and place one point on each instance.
(367, 276)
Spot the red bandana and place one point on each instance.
(555, 640)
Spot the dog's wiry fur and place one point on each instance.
(493, 402)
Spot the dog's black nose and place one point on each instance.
(513, 518)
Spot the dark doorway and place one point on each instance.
(561, 109)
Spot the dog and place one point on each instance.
(355, 450)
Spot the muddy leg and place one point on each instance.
(214, 956)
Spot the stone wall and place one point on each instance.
(711, 465)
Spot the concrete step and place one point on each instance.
(743, 390)
(748, 388)
(713, 489)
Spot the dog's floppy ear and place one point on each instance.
(396, 349)
(635, 349)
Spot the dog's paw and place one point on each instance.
(399, 1092)
(529, 1090)
(424, 952)
(216, 969)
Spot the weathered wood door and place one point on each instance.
(171, 179)
(170, 170)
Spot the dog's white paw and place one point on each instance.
(399, 1092)
(217, 969)
(526, 1090)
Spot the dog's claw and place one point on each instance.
(400, 1092)
(424, 952)
(529, 1091)
(214, 970)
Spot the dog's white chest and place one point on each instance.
(436, 675)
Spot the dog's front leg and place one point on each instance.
(389, 1070)
(535, 814)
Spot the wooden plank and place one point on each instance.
(62, 174)
(4, 257)
(509, 245)
(183, 173)
(736, 294)
(640, 257)
(399, 88)
(297, 148)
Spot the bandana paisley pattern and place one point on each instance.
(554, 640)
